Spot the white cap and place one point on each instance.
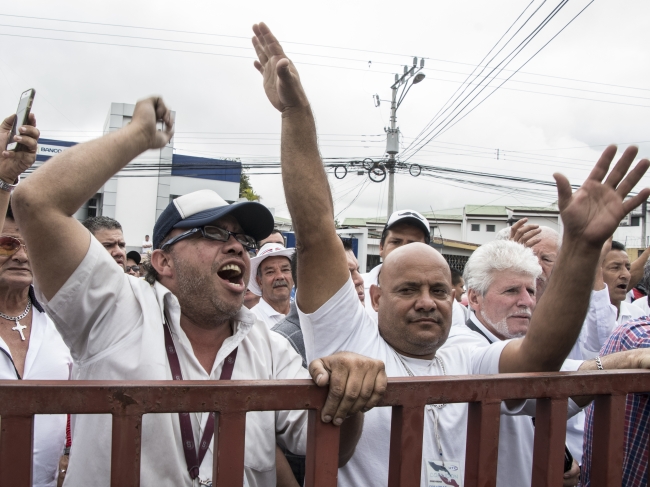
(413, 217)
(270, 249)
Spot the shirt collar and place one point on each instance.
(268, 309)
(481, 326)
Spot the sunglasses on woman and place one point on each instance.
(10, 245)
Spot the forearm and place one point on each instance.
(305, 182)
(72, 177)
(630, 359)
(283, 473)
(558, 317)
(350, 433)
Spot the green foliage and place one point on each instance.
(245, 188)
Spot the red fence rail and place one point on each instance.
(128, 401)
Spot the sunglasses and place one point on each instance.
(133, 268)
(10, 245)
(215, 233)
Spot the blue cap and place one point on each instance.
(205, 206)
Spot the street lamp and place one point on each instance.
(414, 75)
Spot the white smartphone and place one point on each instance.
(22, 117)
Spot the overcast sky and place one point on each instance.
(540, 121)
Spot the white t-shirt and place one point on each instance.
(343, 324)
(112, 323)
(459, 314)
(47, 359)
(265, 312)
(147, 245)
(516, 433)
(643, 304)
(598, 332)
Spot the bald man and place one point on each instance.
(414, 295)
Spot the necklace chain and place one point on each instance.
(20, 317)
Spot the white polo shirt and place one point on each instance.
(47, 359)
(113, 323)
(265, 312)
(342, 323)
(516, 433)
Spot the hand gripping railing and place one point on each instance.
(128, 401)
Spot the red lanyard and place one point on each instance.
(193, 460)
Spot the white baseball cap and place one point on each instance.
(412, 217)
(270, 249)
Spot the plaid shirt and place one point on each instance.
(633, 334)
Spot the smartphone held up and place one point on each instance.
(22, 118)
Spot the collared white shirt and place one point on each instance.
(343, 324)
(516, 433)
(458, 311)
(47, 359)
(113, 325)
(598, 331)
(265, 312)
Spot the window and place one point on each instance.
(476, 227)
(94, 206)
(490, 228)
(635, 221)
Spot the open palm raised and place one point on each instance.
(593, 212)
(280, 77)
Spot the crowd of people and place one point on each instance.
(216, 295)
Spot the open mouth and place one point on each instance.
(232, 275)
(622, 287)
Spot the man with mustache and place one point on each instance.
(184, 321)
(501, 278)
(413, 296)
(272, 280)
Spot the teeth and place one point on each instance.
(231, 267)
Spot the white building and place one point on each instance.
(138, 194)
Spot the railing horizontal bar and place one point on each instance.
(146, 397)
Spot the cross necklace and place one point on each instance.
(19, 328)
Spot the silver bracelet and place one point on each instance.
(599, 364)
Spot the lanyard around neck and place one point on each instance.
(192, 459)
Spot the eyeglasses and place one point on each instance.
(10, 245)
(215, 233)
(133, 268)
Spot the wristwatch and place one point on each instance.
(9, 188)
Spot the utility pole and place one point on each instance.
(392, 133)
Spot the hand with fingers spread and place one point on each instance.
(146, 115)
(14, 163)
(525, 234)
(594, 211)
(356, 384)
(281, 80)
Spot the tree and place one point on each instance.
(245, 188)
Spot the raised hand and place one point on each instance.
(594, 211)
(146, 115)
(280, 76)
(14, 163)
(525, 234)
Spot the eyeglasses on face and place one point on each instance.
(133, 268)
(10, 245)
(215, 233)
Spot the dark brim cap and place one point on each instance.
(134, 256)
(204, 207)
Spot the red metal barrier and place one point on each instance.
(128, 401)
